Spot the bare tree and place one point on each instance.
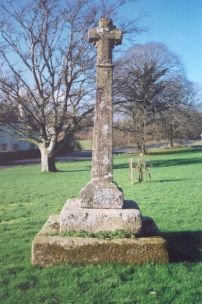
(47, 68)
(177, 116)
(144, 78)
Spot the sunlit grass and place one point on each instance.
(173, 199)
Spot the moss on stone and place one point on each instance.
(117, 234)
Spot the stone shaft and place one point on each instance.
(101, 192)
(102, 132)
(105, 37)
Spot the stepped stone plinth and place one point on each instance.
(101, 206)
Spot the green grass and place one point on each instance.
(173, 198)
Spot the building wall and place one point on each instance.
(10, 143)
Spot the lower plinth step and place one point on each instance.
(51, 248)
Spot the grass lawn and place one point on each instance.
(173, 198)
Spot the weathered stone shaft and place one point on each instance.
(105, 37)
(102, 136)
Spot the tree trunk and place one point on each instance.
(143, 136)
(143, 149)
(141, 144)
(171, 137)
(171, 144)
(47, 161)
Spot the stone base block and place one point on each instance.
(75, 218)
(101, 195)
(49, 248)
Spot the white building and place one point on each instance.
(9, 141)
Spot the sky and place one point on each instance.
(178, 24)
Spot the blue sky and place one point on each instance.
(178, 23)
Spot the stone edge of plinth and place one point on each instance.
(75, 203)
(49, 249)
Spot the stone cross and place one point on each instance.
(101, 192)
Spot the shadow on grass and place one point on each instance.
(72, 171)
(166, 163)
(197, 149)
(184, 246)
(176, 162)
(168, 180)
